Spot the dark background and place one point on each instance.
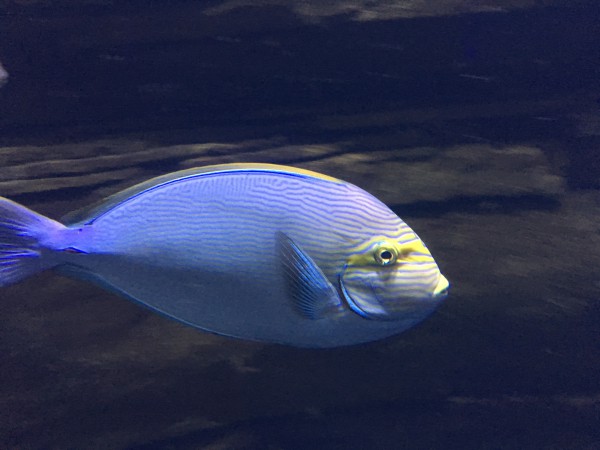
(477, 123)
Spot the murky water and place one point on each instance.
(481, 130)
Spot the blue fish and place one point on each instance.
(255, 251)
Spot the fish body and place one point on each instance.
(254, 251)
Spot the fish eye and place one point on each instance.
(385, 256)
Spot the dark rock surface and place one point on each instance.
(480, 129)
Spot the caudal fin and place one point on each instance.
(24, 238)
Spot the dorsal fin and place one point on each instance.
(90, 213)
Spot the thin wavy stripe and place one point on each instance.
(404, 282)
(249, 207)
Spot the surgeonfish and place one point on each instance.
(3, 75)
(254, 251)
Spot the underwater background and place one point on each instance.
(478, 123)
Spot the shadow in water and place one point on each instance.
(486, 204)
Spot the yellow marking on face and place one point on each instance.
(414, 251)
(364, 255)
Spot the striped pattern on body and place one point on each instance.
(200, 246)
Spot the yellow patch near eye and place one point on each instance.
(369, 253)
(361, 259)
(414, 251)
(412, 246)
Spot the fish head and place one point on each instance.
(389, 279)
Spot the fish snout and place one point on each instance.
(441, 289)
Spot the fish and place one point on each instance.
(260, 252)
(3, 75)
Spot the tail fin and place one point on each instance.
(24, 235)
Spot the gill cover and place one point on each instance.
(365, 293)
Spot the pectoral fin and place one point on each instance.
(313, 296)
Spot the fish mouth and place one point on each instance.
(441, 289)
